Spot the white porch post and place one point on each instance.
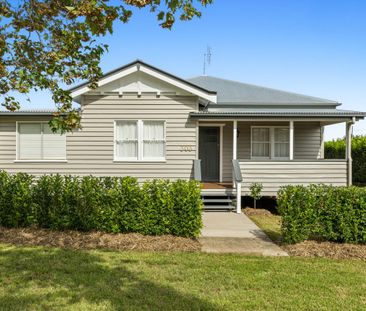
(291, 127)
(236, 184)
(235, 145)
(321, 153)
(235, 139)
(349, 151)
(238, 198)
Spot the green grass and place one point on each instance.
(271, 226)
(36, 278)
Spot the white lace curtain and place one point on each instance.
(260, 142)
(154, 140)
(126, 139)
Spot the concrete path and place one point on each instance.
(228, 232)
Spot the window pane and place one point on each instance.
(154, 149)
(127, 149)
(126, 140)
(153, 130)
(30, 145)
(260, 134)
(281, 134)
(126, 130)
(260, 149)
(281, 150)
(54, 144)
(154, 144)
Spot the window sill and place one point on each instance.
(139, 161)
(40, 161)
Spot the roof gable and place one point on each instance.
(234, 93)
(136, 77)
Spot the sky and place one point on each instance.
(312, 47)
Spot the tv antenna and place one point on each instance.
(206, 59)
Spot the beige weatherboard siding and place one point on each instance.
(274, 174)
(91, 150)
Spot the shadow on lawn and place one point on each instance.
(38, 278)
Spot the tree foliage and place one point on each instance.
(336, 149)
(47, 44)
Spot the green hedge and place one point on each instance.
(108, 204)
(336, 149)
(323, 212)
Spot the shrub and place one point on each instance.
(336, 149)
(323, 212)
(108, 204)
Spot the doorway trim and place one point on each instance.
(221, 142)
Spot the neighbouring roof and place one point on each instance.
(234, 93)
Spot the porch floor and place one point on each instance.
(217, 185)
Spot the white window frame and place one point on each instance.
(140, 142)
(17, 142)
(271, 142)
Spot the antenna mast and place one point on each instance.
(206, 59)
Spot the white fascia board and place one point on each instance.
(179, 84)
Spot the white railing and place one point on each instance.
(238, 179)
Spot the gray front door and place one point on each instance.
(209, 153)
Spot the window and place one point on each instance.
(140, 140)
(260, 142)
(281, 142)
(36, 141)
(270, 142)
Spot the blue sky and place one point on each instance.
(314, 47)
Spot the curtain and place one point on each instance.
(126, 139)
(153, 139)
(54, 144)
(260, 142)
(30, 143)
(282, 146)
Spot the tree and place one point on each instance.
(255, 192)
(47, 44)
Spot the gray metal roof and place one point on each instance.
(318, 113)
(233, 92)
(30, 112)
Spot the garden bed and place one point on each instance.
(96, 240)
(326, 249)
(271, 225)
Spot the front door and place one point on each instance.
(209, 153)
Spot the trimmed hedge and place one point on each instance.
(109, 204)
(323, 212)
(336, 149)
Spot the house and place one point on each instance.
(144, 122)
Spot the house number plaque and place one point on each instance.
(186, 148)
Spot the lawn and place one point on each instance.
(269, 223)
(39, 278)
